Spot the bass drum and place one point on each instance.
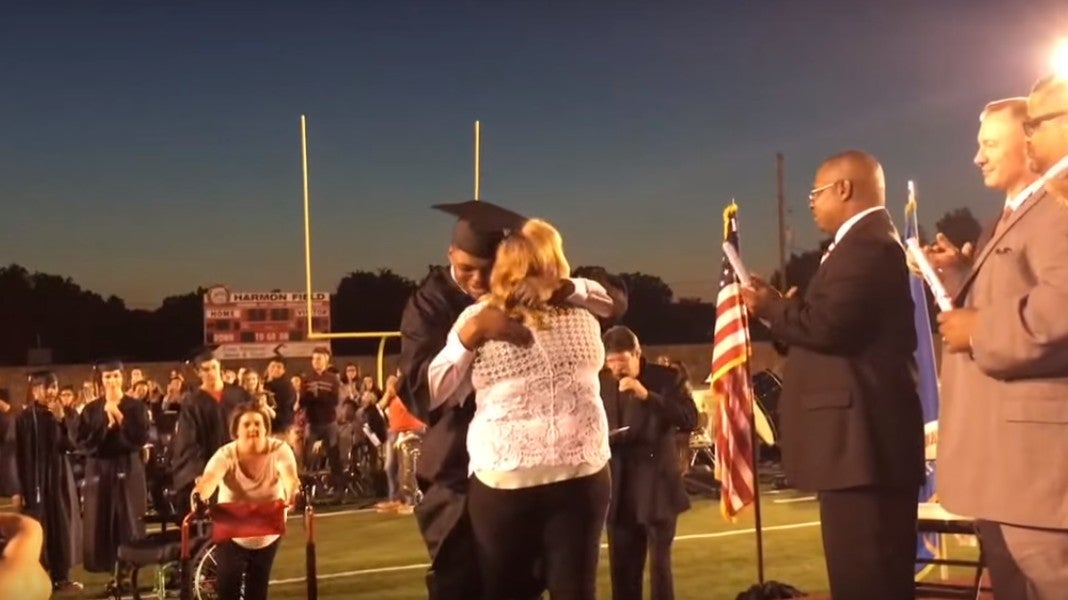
(767, 387)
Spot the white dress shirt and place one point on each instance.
(844, 229)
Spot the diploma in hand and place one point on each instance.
(736, 263)
(929, 275)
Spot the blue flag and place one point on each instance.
(927, 545)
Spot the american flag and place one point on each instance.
(731, 385)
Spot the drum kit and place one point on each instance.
(766, 387)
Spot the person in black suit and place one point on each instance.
(646, 404)
(852, 428)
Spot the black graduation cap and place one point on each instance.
(43, 377)
(108, 363)
(202, 354)
(480, 226)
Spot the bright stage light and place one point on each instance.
(1060, 59)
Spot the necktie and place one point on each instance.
(1005, 215)
(826, 253)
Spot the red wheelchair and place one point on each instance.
(211, 524)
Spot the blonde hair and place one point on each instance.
(531, 259)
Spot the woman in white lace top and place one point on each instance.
(538, 442)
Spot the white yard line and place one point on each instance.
(295, 515)
(792, 500)
(354, 573)
(324, 515)
(720, 534)
(695, 536)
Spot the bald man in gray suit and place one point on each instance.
(1003, 442)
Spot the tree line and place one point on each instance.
(41, 310)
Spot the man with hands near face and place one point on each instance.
(646, 405)
(852, 426)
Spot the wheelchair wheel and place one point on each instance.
(205, 573)
(362, 469)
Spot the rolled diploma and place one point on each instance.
(929, 275)
(736, 263)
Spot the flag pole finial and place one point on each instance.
(910, 204)
(729, 212)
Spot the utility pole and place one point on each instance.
(781, 198)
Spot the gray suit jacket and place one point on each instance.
(1003, 427)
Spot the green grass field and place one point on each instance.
(374, 556)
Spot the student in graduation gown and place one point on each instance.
(7, 446)
(112, 431)
(442, 471)
(44, 435)
(203, 425)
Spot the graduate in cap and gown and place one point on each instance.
(442, 471)
(203, 424)
(44, 436)
(111, 432)
(8, 478)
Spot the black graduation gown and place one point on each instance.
(115, 487)
(285, 397)
(442, 468)
(8, 476)
(46, 484)
(203, 427)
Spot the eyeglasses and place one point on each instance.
(1032, 125)
(816, 191)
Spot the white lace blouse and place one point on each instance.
(538, 416)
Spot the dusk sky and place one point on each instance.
(151, 147)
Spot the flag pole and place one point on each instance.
(756, 509)
(478, 159)
(759, 522)
(780, 200)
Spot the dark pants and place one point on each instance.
(869, 541)
(557, 526)
(239, 565)
(1006, 578)
(454, 576)
(328, 434)
(628, 544)
(55, 547)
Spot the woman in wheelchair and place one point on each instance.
(253, 468)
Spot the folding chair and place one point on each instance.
(935, 519)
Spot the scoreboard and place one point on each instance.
(250, 325)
